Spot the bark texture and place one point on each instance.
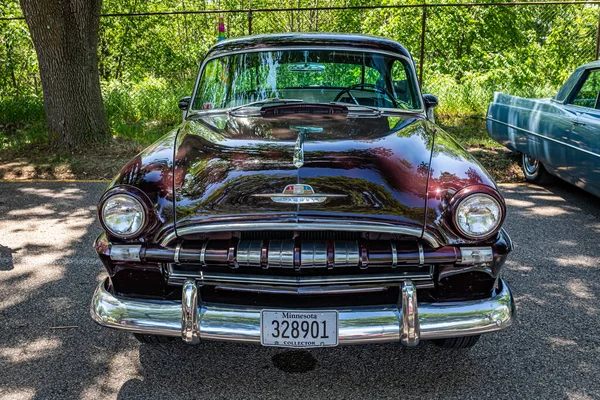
(65, 36)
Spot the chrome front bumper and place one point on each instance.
(407, 322)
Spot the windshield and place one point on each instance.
(312, 76)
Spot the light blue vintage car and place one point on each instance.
(558, 136)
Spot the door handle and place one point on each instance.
(578, 123)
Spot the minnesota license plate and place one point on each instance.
(299, 329)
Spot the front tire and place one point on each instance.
(152, 339)
(457, 343)
(534, 170)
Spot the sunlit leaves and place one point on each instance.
(470, 52)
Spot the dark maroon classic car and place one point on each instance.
(307, 200)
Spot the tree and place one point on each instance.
(65, 36)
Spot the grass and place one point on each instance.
(22, 123)
(140, 113)
(143, 111)
(470, 131)
(42, 163)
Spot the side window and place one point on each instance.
(401, 84)
(588, 94)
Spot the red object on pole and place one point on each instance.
(221, 29)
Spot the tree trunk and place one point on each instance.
(65, 36)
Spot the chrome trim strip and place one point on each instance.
(543, 137)
(303, 196)
(297, 198)
(506, 237)
(409, 331)
(394, 254)
(212, 278)
(362, 324)
(203, 254)
(421, 254)
(177, 252)
(315, 196)
(189, 313)
(294, 226)
(302, 290)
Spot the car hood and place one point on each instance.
(377, 167)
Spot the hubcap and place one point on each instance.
(530, 164)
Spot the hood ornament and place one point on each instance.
(298, 194)
(298, 159)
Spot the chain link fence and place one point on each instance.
(463, 51)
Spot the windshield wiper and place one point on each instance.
(264, 101)
(354, 105)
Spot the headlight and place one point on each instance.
(478, 216)
(123, 216)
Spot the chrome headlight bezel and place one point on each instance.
(467, 194)
(134, 195)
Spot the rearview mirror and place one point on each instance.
(307, 67)
(184, 104)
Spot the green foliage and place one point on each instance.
(22, 122)
(18, 62)
(148, 62)
(141, 111)
(472, 93)
(149, 99)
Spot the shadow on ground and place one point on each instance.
(49, 348)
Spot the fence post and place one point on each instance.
(598, 36)
(250, 22)
(422, 57)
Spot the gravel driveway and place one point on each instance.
(50, 348)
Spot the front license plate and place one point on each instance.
(298, 329)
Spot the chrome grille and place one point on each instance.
(305, 235)
(281, 254)
(249, 252)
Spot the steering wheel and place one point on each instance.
(366, 87)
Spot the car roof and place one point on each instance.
(564, 92)
(308, 39)
(593, 64)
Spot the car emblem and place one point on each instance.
(298, 194)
